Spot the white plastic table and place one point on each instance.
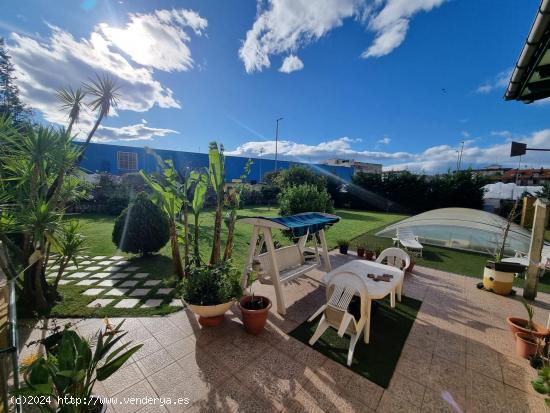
(376, 290)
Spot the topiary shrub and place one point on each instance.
(304, 198)
(142, 228)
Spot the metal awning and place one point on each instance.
(530, 79)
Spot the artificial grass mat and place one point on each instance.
(375, 361)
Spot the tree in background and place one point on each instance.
(299, 175)
(413, 193)
(10, 102)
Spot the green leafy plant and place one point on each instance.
(542, 383)
(70, 368)
(211, 285)
(304, 198)
(342, 243)
(530, 313)
(142, 228)
(70, 243)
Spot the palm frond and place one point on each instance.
(104, 91)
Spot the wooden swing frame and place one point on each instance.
(286, 263)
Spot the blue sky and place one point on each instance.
(400, 82)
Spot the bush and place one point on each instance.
(304, 198)
(141, 228)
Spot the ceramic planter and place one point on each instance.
(254, 320)
(361, 252)
(343, 249)
(210, 315)
(519, 325)
(499, 282)
(526, 345)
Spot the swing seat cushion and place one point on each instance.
(290, 262)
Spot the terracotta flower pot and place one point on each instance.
(519, 325)
(369, 255)
(526, 345)
(411, 266)
(361, 252)
(254, 320)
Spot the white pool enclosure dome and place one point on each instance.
(463, 229)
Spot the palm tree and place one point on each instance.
(72, 101)
(105, 96)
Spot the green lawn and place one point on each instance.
(358, 226)
(98, 229)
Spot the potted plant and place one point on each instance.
(70, 368)
(254, 309)
(343, 245)
(411, 265)
(527, 326)
(369, 254)
(210, 290)
(542, 383)
(361, 249)
(498, 276)
(527, 345)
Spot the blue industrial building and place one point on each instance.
(119, 160)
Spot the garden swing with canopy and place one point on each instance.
(285, 264)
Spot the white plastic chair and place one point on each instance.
(397, 258)
(406, 238)
(340, 291)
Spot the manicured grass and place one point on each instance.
(375, 361)
(459, 262)
(98, 230)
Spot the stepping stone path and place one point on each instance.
(114, 282)
(127, 303)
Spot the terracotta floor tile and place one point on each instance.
(393, 404)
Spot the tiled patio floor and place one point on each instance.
(459, 357)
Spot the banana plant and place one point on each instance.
(216, 163)
(169, 197)
(200, 181)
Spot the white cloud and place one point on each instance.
(291, 64)
(60, 60)
(390, 21)
(384, 141)
(137, 132)
(284, 26)
(437, 158)
(157, 40)
(498, 82)
(292, 150)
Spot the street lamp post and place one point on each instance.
(277, 142)
(261, 153)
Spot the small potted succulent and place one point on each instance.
(361, 249)
(343, 245)
(527, 326)
(70, 368)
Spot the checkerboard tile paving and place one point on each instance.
(114, 281)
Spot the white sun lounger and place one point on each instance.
(405, 238)
(523, 258)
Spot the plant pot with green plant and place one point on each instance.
(361, 249)
(527, 326)
(527, 345)
(210, 289)
(254, 308)
(70, 368)
(498, 276)
(343, 245)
